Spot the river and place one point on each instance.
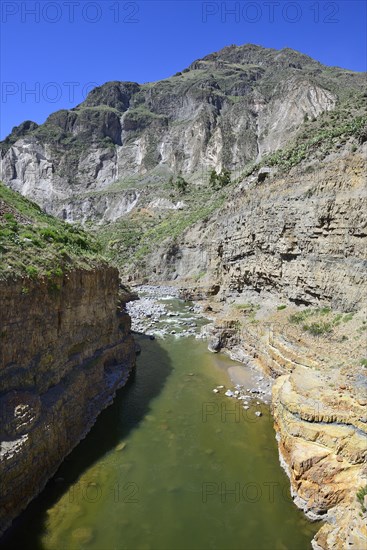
(170, 465)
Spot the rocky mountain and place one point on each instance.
(228, 109)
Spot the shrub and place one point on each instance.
(360, 496)
(218, 181)
(300, 316)
(180, 184)
(31, 271)
(318, 329)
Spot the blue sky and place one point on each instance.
(53, 52)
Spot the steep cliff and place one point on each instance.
(300, 235)
(65, 347)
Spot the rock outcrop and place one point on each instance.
(321, 422)
(319, 404)
(301, 236)
(64, 351)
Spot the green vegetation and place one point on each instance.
(361, 493)
(199, 276)
(174, 226)
(140, 117)
(33, 244)
(348, 317)
(319, 327)
(246, 307)
(300, 316)
(364, 362)
(129, 240)
(248, 311)
(319, 137)
(179, 183)
(218, 181)
(283, 306)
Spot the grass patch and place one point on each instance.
(317, 326)
(33, 244)
(348, 317)
(130, 240)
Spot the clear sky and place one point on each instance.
(54, 52)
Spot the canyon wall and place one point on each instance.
(65, 348)
(300, 236)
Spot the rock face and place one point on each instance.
(225, 110)
(64, 352)
(322, 432)
(301, 237)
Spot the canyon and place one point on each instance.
(277, 258)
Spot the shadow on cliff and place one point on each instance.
(131, 405)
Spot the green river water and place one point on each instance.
(169, 466)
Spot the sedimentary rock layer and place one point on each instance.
(300, 236)
(65, 347)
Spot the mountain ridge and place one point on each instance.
(226, 110)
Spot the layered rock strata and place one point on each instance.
(65, 348)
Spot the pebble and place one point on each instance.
(215, 390)
(258, 413)
(148, 313)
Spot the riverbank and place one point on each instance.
(318, 401)
(161, 312)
